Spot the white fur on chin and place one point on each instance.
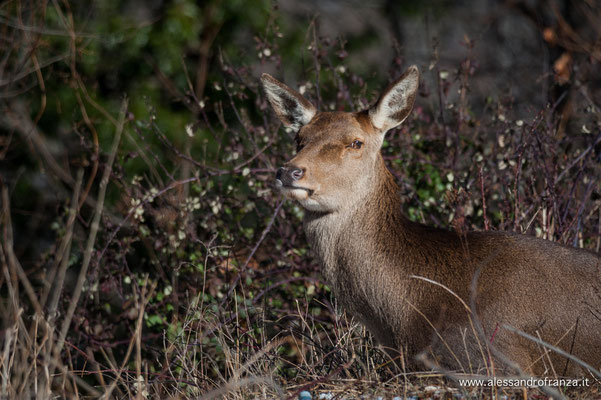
(295, 194)
(302, 196)
(312, 205)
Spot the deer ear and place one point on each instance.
(289, 105)
(396, 102)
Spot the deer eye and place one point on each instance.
(356, 144)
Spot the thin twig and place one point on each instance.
(13, 262)
(141, 306)
(555, 349)
(93, 231)
(253, 251)
(60, 276)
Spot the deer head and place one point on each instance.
(338, 153)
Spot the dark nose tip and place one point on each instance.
(287, 175)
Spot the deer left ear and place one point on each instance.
(290, 106)
(396, 102)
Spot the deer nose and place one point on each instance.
(287, 175)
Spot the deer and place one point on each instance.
(473, 301)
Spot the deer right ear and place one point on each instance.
(396, 102)
(290, 106)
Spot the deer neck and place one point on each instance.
(346, 239)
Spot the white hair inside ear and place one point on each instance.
(396, 102)
(290, 106)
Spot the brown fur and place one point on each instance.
(376, 260)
